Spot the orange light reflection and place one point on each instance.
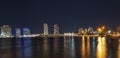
(83, 48)
(118, 52)
(101, 48)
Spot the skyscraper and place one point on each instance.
(45, 25)
(56, 29)
(80, 30)
(90, 30)
(26, 31)
(6, 31)
(18, 32)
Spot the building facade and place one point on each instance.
(18, 32)
(45, 26)
(26, 31)
(56, 29)
(6, 31)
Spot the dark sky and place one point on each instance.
(69, 14)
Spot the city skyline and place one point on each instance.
(54, 28)
(60, 29)
(65, 13)
(9, 32)
(46, 28)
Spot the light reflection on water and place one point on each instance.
(46, 48)
(101, 48)
(88, 47)
(118, 52)
(68, 47)
(83, 48)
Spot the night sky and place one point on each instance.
(69, 14)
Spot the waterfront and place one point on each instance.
(68, 47)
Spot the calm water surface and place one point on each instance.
(69, 47)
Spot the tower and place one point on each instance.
(18, 32)
(45, 25)
(56, 29)
(6, 31)
(26, 31)
(80, 30)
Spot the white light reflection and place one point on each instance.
(73, 48)
(69, 47)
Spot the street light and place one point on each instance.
(99, 30)
(103, 27)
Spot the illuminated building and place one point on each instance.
(45, 25)
(18, 32)
(56, 29)
(101, 30)
(118, 29)
(6, 31)
(80, 30)
(90, 30)
(85, 31)
(26, 31)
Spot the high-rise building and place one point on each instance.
(45, 25)
(80, 30)
(18, 32)
(118, 29)
(26, 31)
(90, 29)
(6, 31)
(56, 29)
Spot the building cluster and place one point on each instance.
(86, 30)
(46, 29)
(6, 31)
(90, 30)
(22, 32)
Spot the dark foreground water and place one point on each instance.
(69, 47)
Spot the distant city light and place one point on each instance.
(6, 31)
(99, 30)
